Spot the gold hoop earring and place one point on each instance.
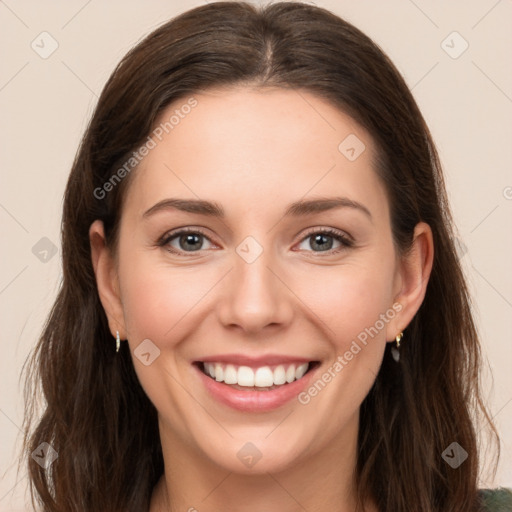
(118, 341)
(395, 351)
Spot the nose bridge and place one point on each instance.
(255, 297)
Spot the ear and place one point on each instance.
(107, 279)
(411, 279)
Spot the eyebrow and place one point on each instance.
(296, 209)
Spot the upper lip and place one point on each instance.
(253, 361)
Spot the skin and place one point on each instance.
(254, 152)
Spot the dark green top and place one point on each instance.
(497, 500)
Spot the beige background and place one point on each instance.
(46, 104)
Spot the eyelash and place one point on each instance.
(346, 241)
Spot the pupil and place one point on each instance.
(320, 239)
(189, 240)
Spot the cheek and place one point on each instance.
(348, 299)
(356, 308)
(161, 304)
(158, 298)
(151, 306)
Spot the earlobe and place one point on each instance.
(106, 279)
(413, 275)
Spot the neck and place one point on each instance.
(194, 483)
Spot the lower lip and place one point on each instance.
(254, 401)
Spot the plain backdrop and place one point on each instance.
(56, 57)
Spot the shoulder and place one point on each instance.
(496, 500)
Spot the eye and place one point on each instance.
(185, 240)
(189, 240)
(322, 240)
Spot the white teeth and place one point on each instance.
(290, 374)
(245, 376)
(262, 377)
(301, 370)
(230, 375)
(279, 375)
(219, 372)
(210, 369)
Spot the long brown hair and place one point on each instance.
(95, 414)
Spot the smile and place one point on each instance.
(263, 377)
(250, 385)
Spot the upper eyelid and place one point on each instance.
(334, 231)
(178, 231)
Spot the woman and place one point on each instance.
(262, 307)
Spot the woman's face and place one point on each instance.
(254, 292)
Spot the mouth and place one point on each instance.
(254, 386)
(259, 378)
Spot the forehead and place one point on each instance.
(267, 123)
(264, 144)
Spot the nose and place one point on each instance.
(255, 296)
